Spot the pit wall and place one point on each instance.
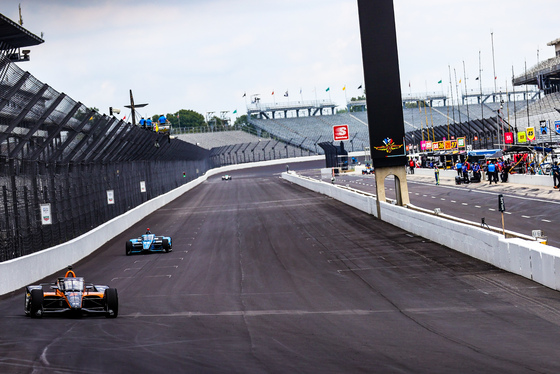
(528, 258)
(19, 272)
(527, 179)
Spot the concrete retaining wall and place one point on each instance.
(527, 258)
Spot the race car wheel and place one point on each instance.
(128, 248)
(36, 307)
(166, 246)
(111, 303)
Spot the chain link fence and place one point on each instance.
(65, 169)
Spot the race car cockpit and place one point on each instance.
(70, 284)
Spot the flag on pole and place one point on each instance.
(360, 87)
(272, 92)
(344, 88)
(328, 89)
(286, 94)
(244, 94)
(439, 81)
(235, 111)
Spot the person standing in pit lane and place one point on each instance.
(556, 175)
(459, 167)
(496, 172)
(466, 173)
(476, 172)
(505, 171)
(491, 172)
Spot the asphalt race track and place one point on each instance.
(267, 277)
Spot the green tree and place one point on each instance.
(241, 121)
(187, 118)
(359, 98)
(80, 114)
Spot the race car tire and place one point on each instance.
(128, 248)
(36, 307)
(166, 246)
(111, 303)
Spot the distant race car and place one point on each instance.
(148, 243)
(226, 177)
(367, 170)
(70, 294)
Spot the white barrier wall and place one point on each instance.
(25, 270)
(527, 258)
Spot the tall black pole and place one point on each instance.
(382, 82)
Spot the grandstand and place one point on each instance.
(262, 150)
(545, 75)
(211, 140)
(446, 122)
(302, 133)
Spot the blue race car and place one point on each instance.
(148, 243)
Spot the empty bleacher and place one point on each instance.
(211, 140)
(546, 108)
(300, 136)
(263, 150)
(308, 131)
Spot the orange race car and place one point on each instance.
(70, 294)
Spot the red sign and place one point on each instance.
(341, 132)
(508, 137)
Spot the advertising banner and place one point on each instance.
(340, 132)
(46, 218)
(530, 133)
(110, 197)
(544, 127)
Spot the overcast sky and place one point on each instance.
(205, 54)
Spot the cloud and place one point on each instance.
(203, 54)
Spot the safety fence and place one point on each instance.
(65, 168)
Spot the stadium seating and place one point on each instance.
(211, 140)
(297, 136)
